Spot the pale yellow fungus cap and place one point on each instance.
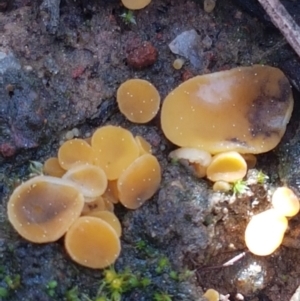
(138, 100)
(108, 217)
(227, 166)
(135, 4)
(211, 295)
(90, 179)
(43, 208)
(115, 149)
(139, 181)
(285, 202)
(196, 160)
(265, 232)
(178, 63)
(52, 168)
(74, 152)
(144, 146)
(222, 186)
(245, 109)
(92, 242)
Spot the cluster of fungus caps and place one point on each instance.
(221, 120)
(265, 231)
(76, 196)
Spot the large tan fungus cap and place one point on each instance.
(43, 208)
(139, 181)
(265, 232)
(228, 166)
(135, 4)
(285, 202)
(115, 149)
(90, 179)
(138, 100)
(74, 152)
(245, 109)
(92, 242)
(108, 217)
(144, 145)
(52, 168)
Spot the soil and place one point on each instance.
(60, 67)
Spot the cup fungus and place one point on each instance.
(212, 295)
(75, 151)
(92, 242)
(52, 168)
(115, 149)
(196, 159)
(138, 100)
(135, 4)
(285, 202)
(227, 166)
(139, 181)
(108, 217)
(43, 208)
(245, 109)
(265, 231)
(90, 179)
(144, 146)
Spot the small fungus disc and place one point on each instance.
(285, 201)
(43, 208)
(228, 167)
(74, 152)
(138, 100)
(211, 295)
(265, 231)
(139, 181)
(222, 186)
(115, 149)
(245, 109)
(92, 242)
(144, 146)
(52, 168)
(110, 218)
(112, 194)
(135, 4)
(90, 179)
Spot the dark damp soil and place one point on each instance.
(60, 67)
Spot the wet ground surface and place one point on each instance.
(60, 75)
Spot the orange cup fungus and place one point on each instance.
(265, 231)
(285, 202)
(43, 208)
(245, 109)
(115, 150)
(139, 181)
(87, 180)
(92, 242)
(52, 168)
(91, 180)
(227, 166)
(138, 100)
(135, 4)
(74, 152)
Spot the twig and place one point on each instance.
(284, 22)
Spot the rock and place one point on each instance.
(141, 55)
(188, 44)
(8, 61)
